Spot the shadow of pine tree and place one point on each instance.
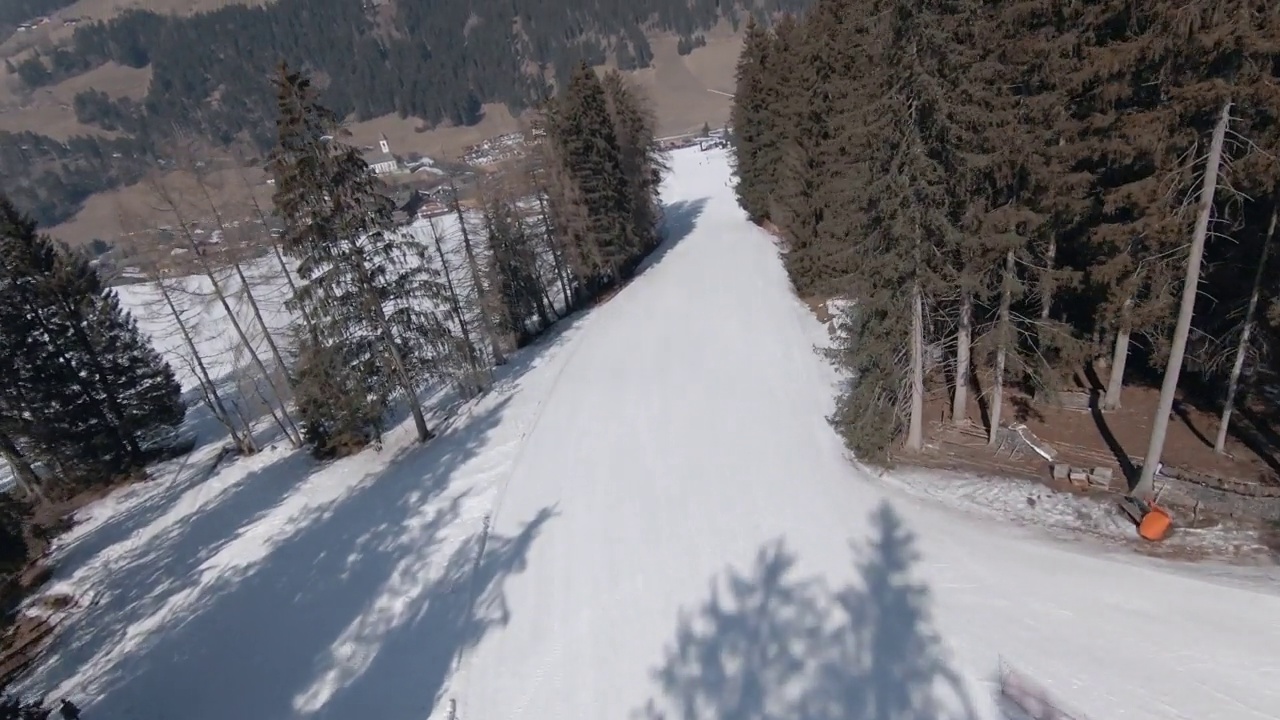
(768, 645)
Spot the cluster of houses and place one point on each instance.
(495, 150)
(41, 21)
(706, 140)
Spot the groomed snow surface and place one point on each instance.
(649, 517)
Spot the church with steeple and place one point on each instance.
(382, 161)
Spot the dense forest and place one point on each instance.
(438, 61)
(1016, 194)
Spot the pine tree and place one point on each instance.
(755, 136)
(368, 288)
(642, 161)
(900, 207)
(599, 205)
(88, 393)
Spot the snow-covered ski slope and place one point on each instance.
(648, 518)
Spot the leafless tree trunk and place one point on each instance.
(964, 341)
(477, 276)
(279, 256)
(915, 424)
(1242, 347)
(1160, 423)
(243, 439)
(173, 206)
(473, 361)
(23, 473)
(1002, 348)
(247, 289)
(1119, 356)
(1046, 282)
(554, 251)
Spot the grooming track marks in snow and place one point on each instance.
(648, 518)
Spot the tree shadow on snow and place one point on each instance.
(168, 484)
(381, 569)
(362, 608)
(768, 645)
(679, 220)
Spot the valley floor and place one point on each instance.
(649, 517)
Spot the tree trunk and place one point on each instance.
(1119, 356)
(477, 277)
(1046, 284)
(245, 444)
(1160, 423)
(556, 260)
(915, 424)
(455, 304)
(390, 346)
(291, 430)
(23, 473)
(1242, 348)
(271, 341)
(294, 435)
(284, 266)
(964, 340)
(1002, 349)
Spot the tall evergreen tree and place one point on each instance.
(600, 205)
(88, 393)
(369, 289)
(642, 161)
(754, 134)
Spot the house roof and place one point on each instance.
(376, 157)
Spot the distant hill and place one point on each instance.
(438, 61)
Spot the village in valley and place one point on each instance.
(421, 187)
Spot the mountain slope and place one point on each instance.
(647, 518)
(686, 441)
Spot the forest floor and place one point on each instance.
(1114, 439)
(1089, 438)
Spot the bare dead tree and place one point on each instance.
(477, 278)
(246, 290)
(1242, 346)
(263, 219)
(241, 433)
(915, 421)
(473, 383)
(172, 204)
(964, 343)
(1160, 423)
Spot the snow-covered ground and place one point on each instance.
(648, 518)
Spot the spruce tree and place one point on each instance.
(643, 163)
(368, 289)
(599, 207)
(88, 392)
(754, 134)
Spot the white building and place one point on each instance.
(381, 161)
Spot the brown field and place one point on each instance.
(49, 111)
(137, 208)
(680, 88)
(408, 135)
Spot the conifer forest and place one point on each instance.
(1021, 194)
